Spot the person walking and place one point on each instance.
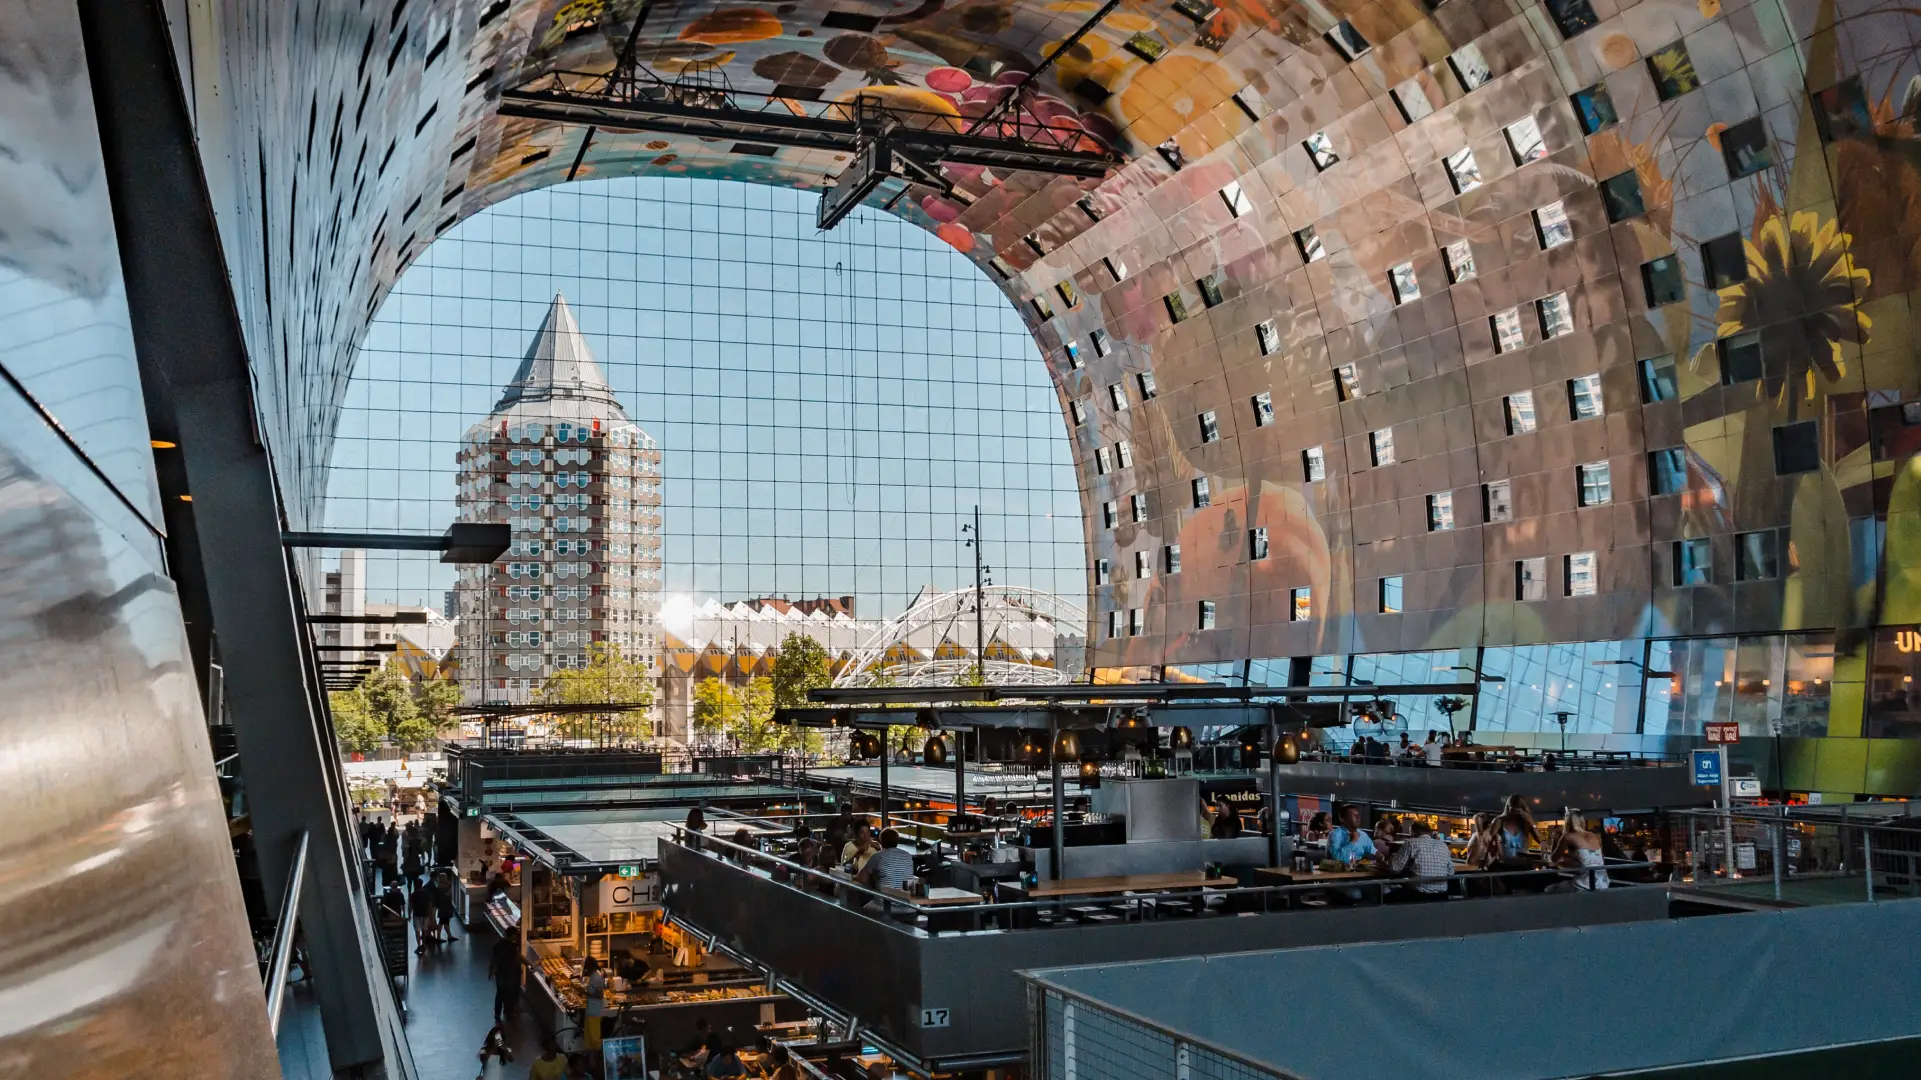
(444, 915)
(504, 968)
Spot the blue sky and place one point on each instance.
(829, 407)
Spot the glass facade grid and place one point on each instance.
(828, 407)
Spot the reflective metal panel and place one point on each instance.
(124, 946)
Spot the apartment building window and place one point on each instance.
(1117, 396)
(1440, 511)
(1113, 625)
(1524, 141)
(1309, 242)
(1596, 483)
(1580, 575)
(1462, 172)
(1123, 454)
(1392, 595)
(1556, 315)
(1380, 446)
(1673, 71)
(1102, 345)
(1300, 605)
(1257, 543)
(1263, 409)
(1136, 622)
(1143, 566)
(1530, 579)
(1693, 562)
(1470, 66)
(1268, 336)
(1584, 396)
(1314, 464)
(1201, 498)
(1348, 41)
(1210, 287)
(1621, 196)
(1662, 280)
(1406, 286)
(1236, 199)
(1320, 150)
(1078, 411)
(1210, 427)
(1138, 504)
(1100, 572)
(1171, 559)
(1100, 460)
(1498, 495)
(1145, 380)
(1073, 356)
(1740, 357)
(1176, 306)
(1658, 379)
(1110, 514)
(1205, 620)
(1347, 382)
(1668, 470)
(1797, 448)
(1595, 108)
(1518, 407)
(1458, 258)
(1755, 557)
(1551, 226)
(1508, 335)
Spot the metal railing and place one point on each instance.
(284, 933)
(880, 906)
(1804, 855)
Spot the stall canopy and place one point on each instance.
(1592, 1000)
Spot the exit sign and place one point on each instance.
(1724, 733)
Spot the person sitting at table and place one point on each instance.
(1349, 843)
(1579, 850)
(742, 839)
(1317, 828)
(1517, 828)
(858, 850)
(1431, 749)
(1406, 752)
(1227, 821)
(1387, 834)
(888, 868)
(1483, 842)
(1424, 855)
(840, 831)
(782, 1060)
(725, 1062)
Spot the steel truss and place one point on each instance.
(702, 103)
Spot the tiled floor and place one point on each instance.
(450, 1003)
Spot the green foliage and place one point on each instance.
(801, 665)
(610, 678)
(744, 717)
(354, 725)
(436, 698)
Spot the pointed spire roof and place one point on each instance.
(559, 367)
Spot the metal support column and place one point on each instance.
(1060, 799)
(194, 368)
(960, 770)
(886, 752)
(1273, 792)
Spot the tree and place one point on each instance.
(610, 678)
(389, 695)
(744, 716)
(436, 698)
(800, 666)
(354, 725)
(716, 708)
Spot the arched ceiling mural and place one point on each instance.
(1404, 326)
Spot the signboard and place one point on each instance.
(1724, 733)
(1747, 787)
(933, 1018)
(1706, 767)
(629, 894)
(624, 1058)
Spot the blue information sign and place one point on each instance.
(1706, 767)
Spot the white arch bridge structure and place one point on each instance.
(1032, 638)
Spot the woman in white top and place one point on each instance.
(1580, 850)
(596, 1005)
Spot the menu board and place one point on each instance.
(624, 1058)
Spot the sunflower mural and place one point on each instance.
(1799, 266)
